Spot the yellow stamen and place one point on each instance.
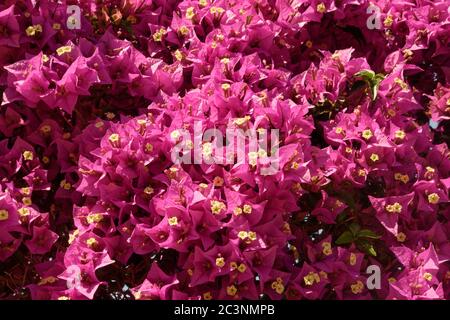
(4, 215)
(433, 198)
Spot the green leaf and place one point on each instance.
(367, 247)
(341, 217)
(373, 81)
(354, 228)
(366, 233)
(375, 84)
(374, 91)
(366, 74)
(344, 238)
(372, 251)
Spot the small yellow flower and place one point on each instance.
(401, 237)
(231, 290)
(321, 8)
(278, 285)
(214, 10)
(396, 207)
(114, 138)
(94, 218)
(242, 268)
(33, 30)
(158, 35)
(241, 121)
(91, 242)
(23, 212)
(63, 298)
(310, 278)
(202, 3)
(247, 209)
(407, 53)
(428, 276)
(184, 31)
(189, 144)
(388, 21)
(173, 221)
(207, 296)
(28, 155)
(339, 130)
(262, 153)
(357, 287)
(253, 158)
(327, 248)
(352, 259)
(367, 134)
(243, 235)
(348, 150)
(179, 55)
(237, 211)
(99, 124)
(220, 262)
(175, 135)
(142, 122)
(401, 83)
(45, 129)
(252, 235)
(73, 236)
(148, 147)
(47, 280)
(218, 181)
(217, 206)
(4, 215)
(27, 201)
(45, 58)
(64, 49)
(30, 31)
(400, 134)
(362, 173)
(309, 44)
(404, 178)
(190, 13)
(203, 185)
(226, 86)
(433, 198)
(391, 112)
(374, 157)
(149, 190)
(65, 185)
(56, 26)
(392, 280)
(207, 149)
(295, 165)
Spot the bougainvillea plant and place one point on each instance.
(96, 96)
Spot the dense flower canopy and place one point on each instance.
(92, 205)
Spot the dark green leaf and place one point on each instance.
(366, 74)
(354, 228)
(367, 247)
(366, 233)
(344, 238)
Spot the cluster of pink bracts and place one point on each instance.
(92, 205)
